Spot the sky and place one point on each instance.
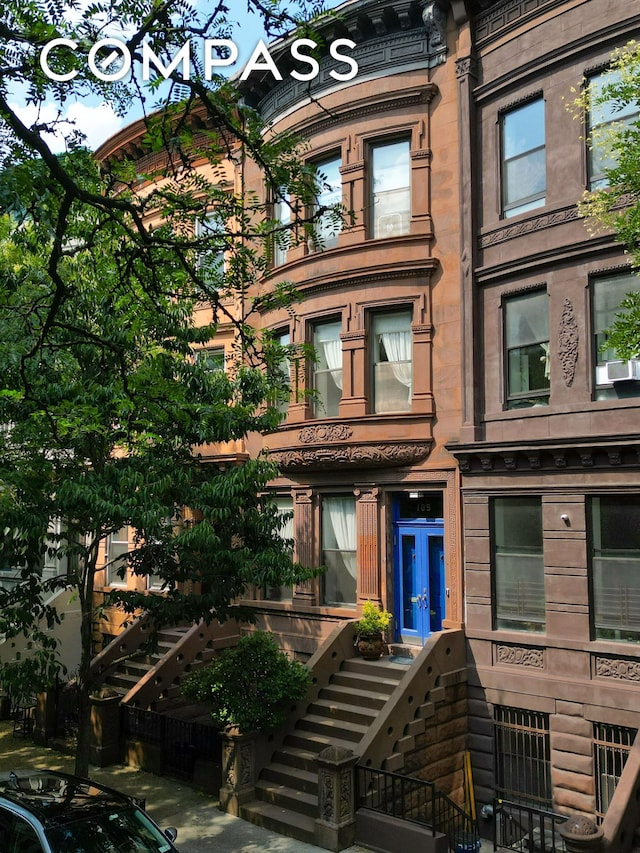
(98, 120)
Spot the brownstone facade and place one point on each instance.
(499, 488)
(549, 450)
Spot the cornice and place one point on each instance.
(575, 455)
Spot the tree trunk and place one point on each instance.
(84, 685)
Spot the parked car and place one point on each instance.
(43, 811)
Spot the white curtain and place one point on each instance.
(397, 345)
(342, 518)
(333, 356)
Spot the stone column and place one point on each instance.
(105, 746)
(336, 823)
(305, 543)
(369, 581)
(45, 717)
(238, 770)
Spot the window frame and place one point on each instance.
(597, 179)
(220, 261)
(324, 197)
(112, 578)
(525, 557)
(209, 352)
(339, 550)
(375, 318)
(373, 225)
(318, 406)
(532, 397)
(607, 390)
(281, 212)
(623, 603)
(523, 204)
(529, 729)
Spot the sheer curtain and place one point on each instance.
(326, 340)
(398, 348)
(342, 519)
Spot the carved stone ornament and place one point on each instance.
(362, 456)
(434, 19)
(520, 656)
(329, 432)
(622, 670)
(568, 343)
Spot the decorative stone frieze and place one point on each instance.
(519, 656)
(320, 433)
(528, 226)
(568, 342)
(618, 668)
(361, 456)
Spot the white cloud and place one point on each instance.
(97, 122)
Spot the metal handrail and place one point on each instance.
(418, 801)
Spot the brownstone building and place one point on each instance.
(469, 456)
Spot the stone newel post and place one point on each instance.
(336, 822)
(238, 770)
(581, 835)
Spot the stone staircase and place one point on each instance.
(129, 672)
(152, 680)
(287, 790)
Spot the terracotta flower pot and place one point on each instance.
(371, 646)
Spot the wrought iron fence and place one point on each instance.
(180, 742)
(526, 828)
(416, 800)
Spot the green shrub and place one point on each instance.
(252, 686)
(373, 619)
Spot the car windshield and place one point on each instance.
(122, 830)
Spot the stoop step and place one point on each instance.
(285, 821)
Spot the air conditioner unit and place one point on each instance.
(618, 371)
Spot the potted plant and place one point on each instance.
(370, 630)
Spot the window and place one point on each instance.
(211, 359)
(390, 189)
(339, 550)
(527, 350)
(329, 194)
(327, 369)
(615, 535)
(612, 745)
(117, 550)
(211, 260)
(522, 756)
(608, 293)
(518, 564)
(601, 118)
(285, 508)
(284, 340)
(392, 362)
(282, 236)
(524, 175)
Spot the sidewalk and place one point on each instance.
(201, 826)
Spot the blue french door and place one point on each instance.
(419, 575)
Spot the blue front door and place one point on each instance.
(419, 575)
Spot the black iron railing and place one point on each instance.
(526, 828)
(181, 741)
(416, 800)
